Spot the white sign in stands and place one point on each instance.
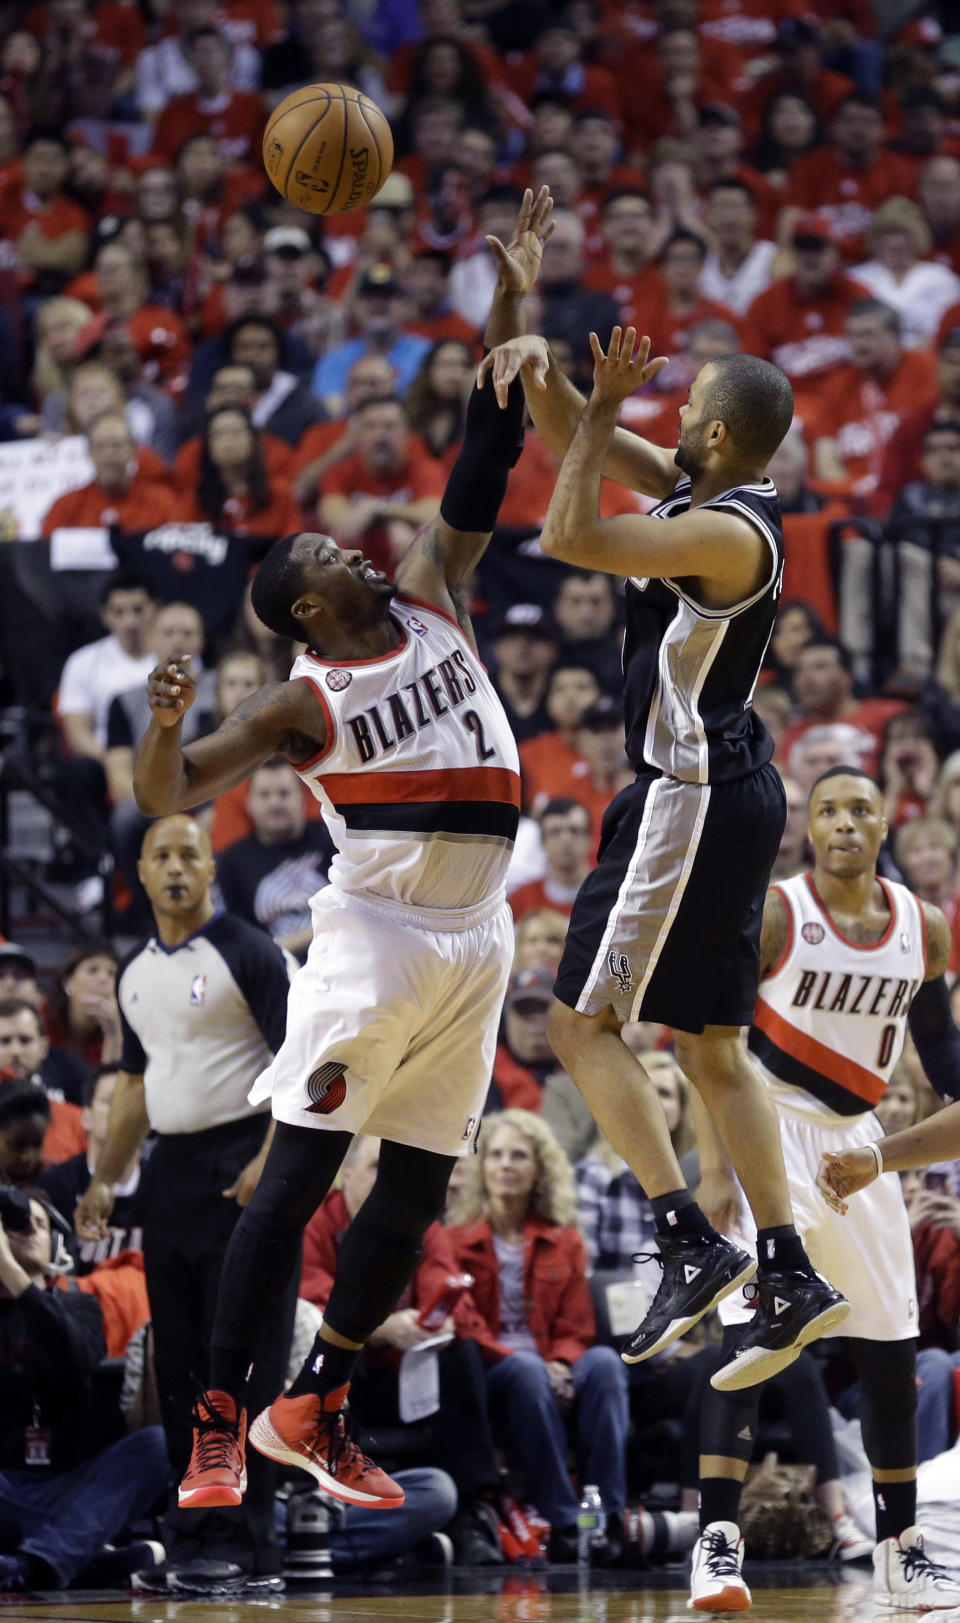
(33, 473)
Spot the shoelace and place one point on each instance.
(217, 1437)
(721, 1559)
(342, 1445)
(917, 1564)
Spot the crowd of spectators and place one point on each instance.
(190, 368)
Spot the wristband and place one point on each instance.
(878, 1157)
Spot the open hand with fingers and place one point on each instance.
(506, 362)
(843, 1173)
(518, 264)
(620, 370)
(171, 690)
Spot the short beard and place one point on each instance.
(688, 460)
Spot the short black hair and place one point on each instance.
(92, 1082)
(824, 640)
(46, 132)
(877, 307)
(276, 586)
(11, 1006)
(731, 184)
(858, 98)
(842, 772)
(949, 425)
(21, 1100)
(207, 31)
(123, 580)
(253, 320)
(683, 236)
(562, 806)
(615, 194)
(755, 401)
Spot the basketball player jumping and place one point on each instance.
(847, 961)
(667, 926)
(393, 724)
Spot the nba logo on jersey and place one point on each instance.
(905, 942)
(198, 991)
(416, 626)
(619, 966)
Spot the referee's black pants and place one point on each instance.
(187, 1225)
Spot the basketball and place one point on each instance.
(328, 148)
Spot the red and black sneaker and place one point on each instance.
(311, 1432)
(217, 1473)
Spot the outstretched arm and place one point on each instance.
(283, 718)
(441, 562)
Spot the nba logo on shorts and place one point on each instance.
(619, 966)
(198, 991)
(327, 1088)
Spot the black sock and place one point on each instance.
(719, 1500)
(896, 1506)
(678, 1213)
(326, 1368)
(230, 1372)
(780, 1248)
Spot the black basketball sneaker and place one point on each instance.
(792, 1310)
(697, 1274)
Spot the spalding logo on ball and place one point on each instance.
(328, 148)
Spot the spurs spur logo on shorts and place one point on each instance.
(326, 1088)
(813, 933)
(619, 966)
(338, 680)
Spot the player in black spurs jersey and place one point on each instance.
(667, 927)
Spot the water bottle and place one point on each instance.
(589, 1523)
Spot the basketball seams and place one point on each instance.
(343, 150)
(303, 140)
(376, 145)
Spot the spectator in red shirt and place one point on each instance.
(938, 193)
(923, 128)
(741, 264)
(860, 407)
(823, 689)
(426, 283)
(567, 840)
(796, 68)
(547, 761)
(210, 188)
(159, 336)
(800, 322)
(849, 178)
(234, 118)
(380, 495)
(903, 458)
(719, 141)
(231, 386)
(570, 310)
(677, 306)
(324, 444)
(602, 770)
(596, 142)
(233, 488)
(50, 233)
(119, 494)
(669, 100)
(627, 268)
(556, 65)
(791, 128)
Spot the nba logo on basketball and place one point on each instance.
(198, 991)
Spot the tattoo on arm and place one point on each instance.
(774, 931)
(939, 941)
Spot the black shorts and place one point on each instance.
(667, 926)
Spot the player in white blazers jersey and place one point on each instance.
(393, 724)
(848, 961)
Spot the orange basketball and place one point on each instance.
(328, 148)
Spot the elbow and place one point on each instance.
(555, 543)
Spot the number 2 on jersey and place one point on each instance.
(474, 725)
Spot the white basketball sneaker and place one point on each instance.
(905, 1579)
(716, 1584)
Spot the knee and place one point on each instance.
(705, 1059)
(604, 1372)
(526, 1372)
(433, 1492)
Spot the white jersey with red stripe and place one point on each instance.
(419, 779)
(831, 1018)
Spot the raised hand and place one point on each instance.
(843, 1173)
(518, 264)
(617, 371)
(171, 691)
(504, 364)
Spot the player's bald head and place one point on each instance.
(181, 828)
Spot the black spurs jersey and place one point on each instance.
(690, 672)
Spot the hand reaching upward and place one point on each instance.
(617, 371)
(518, 264)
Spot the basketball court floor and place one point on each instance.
(781, 1594)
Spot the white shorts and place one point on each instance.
(868, 1255)
(391, 1028)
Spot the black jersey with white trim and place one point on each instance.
(690, 672)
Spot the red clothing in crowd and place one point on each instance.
(531, 897)
(546, 767)
(669, 328)
(870, 715)
(936, 1254)
(518, 1086)
(902, 461)
(524, 507)
(633, 294)
(232, 821)
(281, 516)
(120, 1286)
(317, 441)
(806, 338)
(418, 477)
(322, 1239)
(66, 1136)
(236, 119)
(55, 219)
(145, 505)
(949, 320)
(556, 1293)
(821, 180)
(277, 459)
(861, 416)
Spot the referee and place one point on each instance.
(203, 1004)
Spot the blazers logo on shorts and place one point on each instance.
(326, 1088)
(619, 965)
